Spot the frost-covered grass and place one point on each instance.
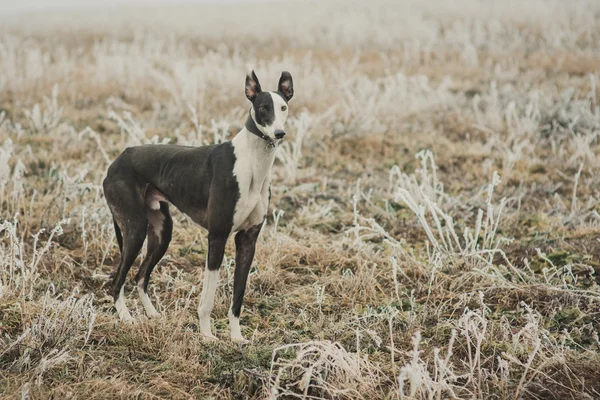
(434, 229)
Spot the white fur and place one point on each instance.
(234, 326)
(153, 200)
(121, 307)
(207, 301)
(153, 204)
(280, 116)
(146, 302)
(252, 170)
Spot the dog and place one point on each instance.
(225, 188)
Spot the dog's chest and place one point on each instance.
(253, 174)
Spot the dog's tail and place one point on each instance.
(118, 235)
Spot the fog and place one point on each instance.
(16, 7)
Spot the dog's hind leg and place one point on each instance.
(134, 233)
(126, 203)
(160, 228)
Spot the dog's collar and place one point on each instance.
(251, 127)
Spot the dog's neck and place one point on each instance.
(251, 127)
(254, 160)
(251, 142)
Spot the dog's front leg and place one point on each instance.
(245, 244)
(216, 250)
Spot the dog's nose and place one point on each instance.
(279, 134)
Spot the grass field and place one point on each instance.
(434, 229)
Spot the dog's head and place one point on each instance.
(270, 109)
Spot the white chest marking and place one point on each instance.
(252, 170)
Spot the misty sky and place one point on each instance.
(16, 6)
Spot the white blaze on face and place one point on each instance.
(280, 115)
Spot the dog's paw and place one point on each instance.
(239, 340)
(209, 338)
(151, 314)
(127, 318)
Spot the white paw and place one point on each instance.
(209, 337)
(235, 330)
(152, 313)
(148, 306)
(239, 339)
(123, 311)
(126, 317)
(206, 330)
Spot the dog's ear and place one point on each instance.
(252, 86)
(286, 85)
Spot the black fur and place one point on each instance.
(264, 110)
(252, 128)
(157, 244)
(262, 103)
(198, 181)
(245, 244)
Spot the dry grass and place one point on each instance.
(434, 229)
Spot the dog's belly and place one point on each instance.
(154, 197)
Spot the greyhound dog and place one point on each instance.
(225, 188)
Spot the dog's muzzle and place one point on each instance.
(279, 134)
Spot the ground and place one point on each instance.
(433, 229)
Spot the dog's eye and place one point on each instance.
(262, 109)
(283, 108)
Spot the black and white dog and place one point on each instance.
(223, 187)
